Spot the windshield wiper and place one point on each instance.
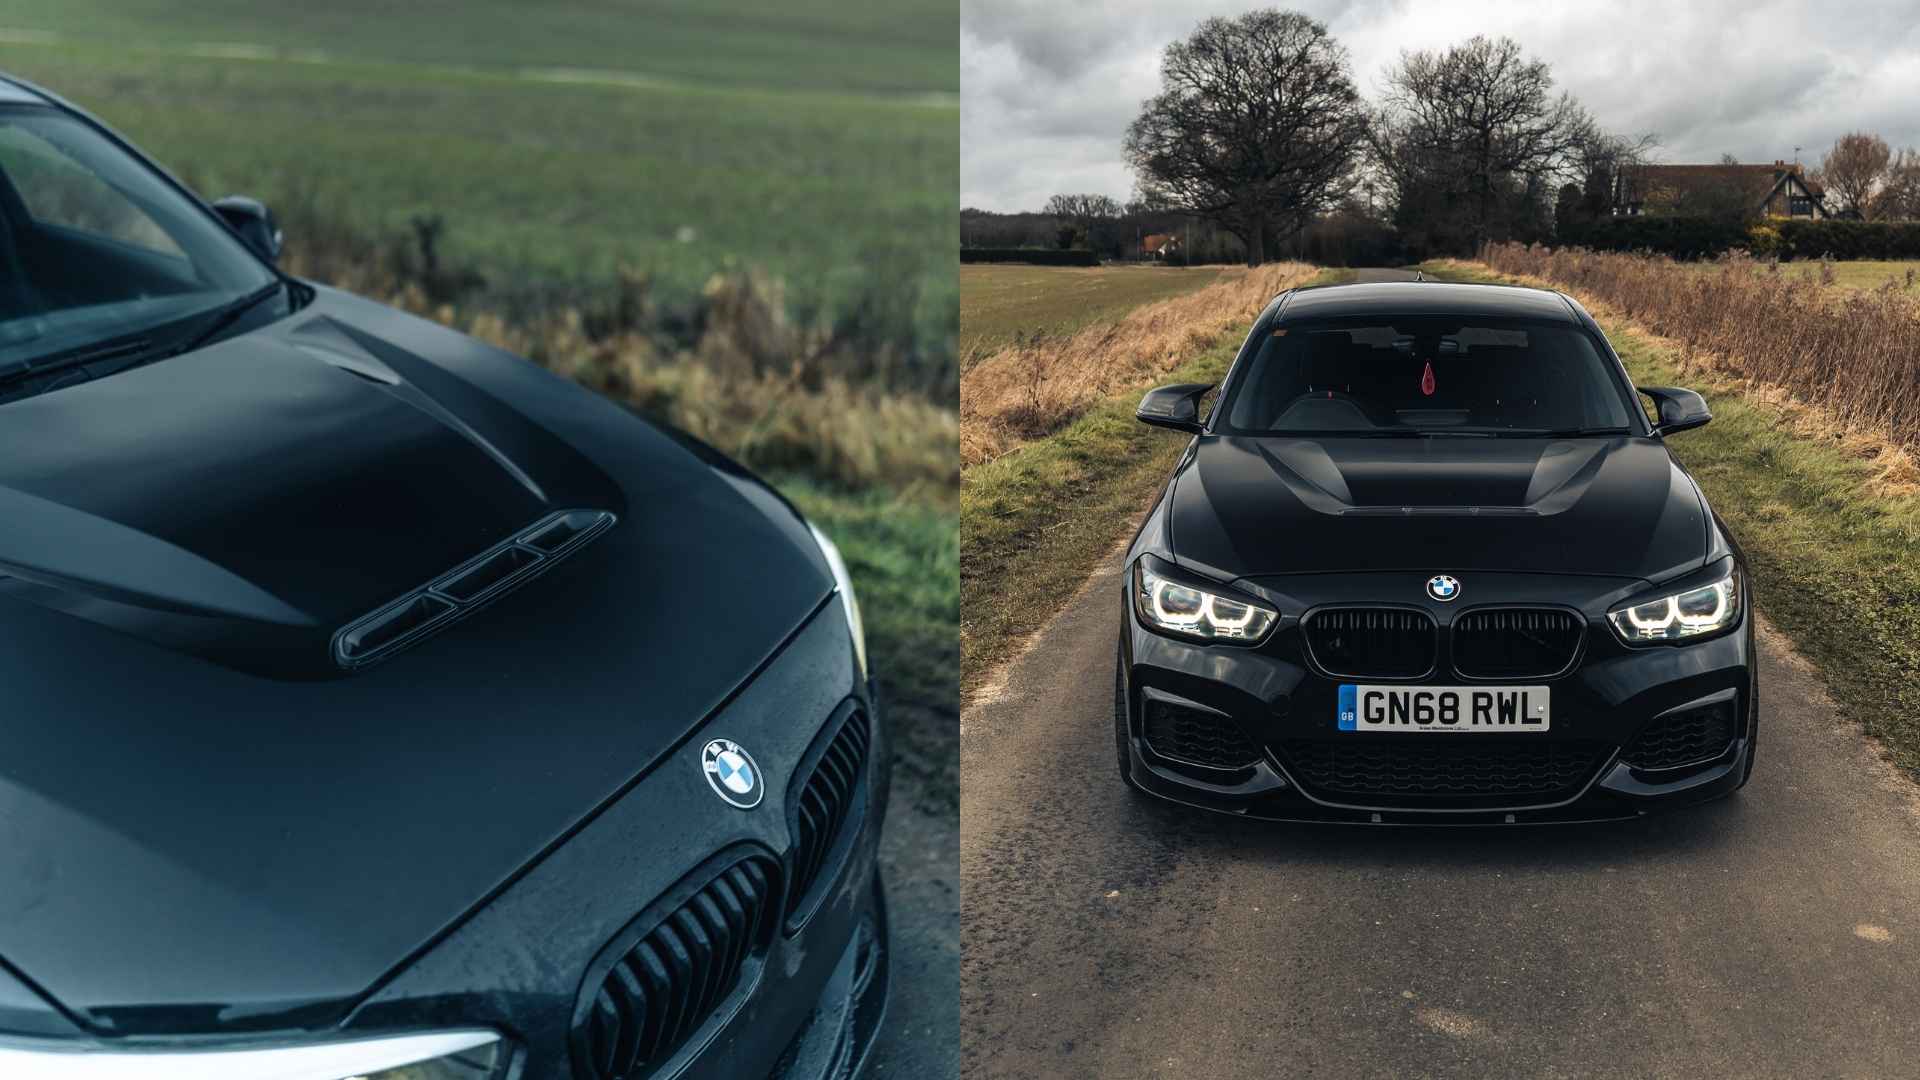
(1422, 433)
(27, 369)
(1565, 433)
(224, 317)
(140, 350)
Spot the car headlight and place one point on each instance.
(446, 1055)
(1175, 607)
(844, 585)
(1690, 613)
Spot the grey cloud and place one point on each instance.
(1048, 86)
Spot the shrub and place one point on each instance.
(1850, 239)
(1680, 237)
(1763, 241)
(733, 366)
(1788, 238)
(1037, 256)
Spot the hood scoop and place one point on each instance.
(242, 502)
(469, 587)
(1555, 479)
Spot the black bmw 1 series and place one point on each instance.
(1427, 559)
(382, 705)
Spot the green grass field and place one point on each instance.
(812, 141)
(1836, 563)
(813, 45)
(1868, 273)
(1862, 274)
(999, 300)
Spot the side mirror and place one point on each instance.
(254, 222)
(1176, 407)
(1678, 409)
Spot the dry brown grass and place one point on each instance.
(1893, 469)
(1037, 386)
(754, 383)
(1840, 364)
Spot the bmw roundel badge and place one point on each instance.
(732, 774)
(1442, 587)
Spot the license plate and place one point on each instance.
(1443, 708)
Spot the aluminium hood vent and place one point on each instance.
(468, 587)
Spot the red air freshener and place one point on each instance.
(1426, 380)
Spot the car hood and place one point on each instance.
(1246, 507)
(271, 487)
(204, 824)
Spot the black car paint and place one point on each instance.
(1298, 523)
(209, 832)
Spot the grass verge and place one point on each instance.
(904, 554)
(1034, 523)
(1037, 386)
(1835, 557)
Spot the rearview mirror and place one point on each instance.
(254, 222)
(1176, 406)
(1678, 409)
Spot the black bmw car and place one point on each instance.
(380, 705)
(1426, 559)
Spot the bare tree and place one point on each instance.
(1256, 126)
(1854, 168)
(1082, 212)
(1476, 131)
(1602, 164)
(1899, 195)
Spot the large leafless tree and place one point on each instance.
(1899, 195)
(1474, 137)
(1257, 126)
(1855, 168)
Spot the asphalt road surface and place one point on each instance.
(919, 857)
(1774, 934)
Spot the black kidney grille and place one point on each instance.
(664, 986)
(827, 799)
(1196, 737)
(1515, 643)
(1452, 766)
(1385, 643)
(1688, 738)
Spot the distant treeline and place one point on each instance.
(1116, 237)
(1037, 255)
(1348, 237)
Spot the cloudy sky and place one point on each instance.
(1047, 87)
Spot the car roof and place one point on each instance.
(15, 93)
(1426, 298)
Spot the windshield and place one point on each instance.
(94, 246)
(1426, 376)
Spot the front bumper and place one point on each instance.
(813, 992)
(1283, 704)
(814, 1002)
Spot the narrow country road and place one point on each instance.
(1776, 934)
(919, 852)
